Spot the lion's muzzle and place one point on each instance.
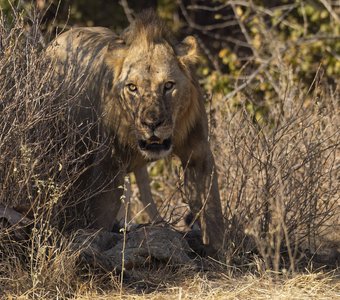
(154, 147)
(155, 143)
(154, 133)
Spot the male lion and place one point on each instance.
(141, 89)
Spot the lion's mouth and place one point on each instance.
(155, 144)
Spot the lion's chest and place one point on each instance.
(126, 157)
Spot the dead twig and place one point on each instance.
(127, 10)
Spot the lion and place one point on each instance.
(141, 89)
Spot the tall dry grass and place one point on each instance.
(40, 163)
(278, 175)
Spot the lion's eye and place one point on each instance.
(168, 86)
(132, 87)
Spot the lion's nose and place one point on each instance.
(153, 124)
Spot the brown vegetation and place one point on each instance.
(278, 175)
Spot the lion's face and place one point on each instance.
(153, 88)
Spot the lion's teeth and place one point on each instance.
(155, 141)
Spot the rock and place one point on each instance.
(144, 246)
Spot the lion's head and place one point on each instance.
(153, 81)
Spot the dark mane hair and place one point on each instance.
(150, 27)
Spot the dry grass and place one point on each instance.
(282, 169)
(219, 286)
(279, 180)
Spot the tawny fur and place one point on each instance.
(102, 66)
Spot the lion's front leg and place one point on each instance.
(107, 183)
(201, 188)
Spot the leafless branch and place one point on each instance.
(127, 10)
(207, 8)
(205, 27)
(328, 6)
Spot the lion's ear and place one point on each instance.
(115, 56)
(187, 51)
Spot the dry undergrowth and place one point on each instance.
(200, 286)
(279, 180)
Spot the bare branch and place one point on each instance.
(207, 8)
(328, 6)
(127, 10)
(205, 27)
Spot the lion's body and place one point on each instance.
(140, 90)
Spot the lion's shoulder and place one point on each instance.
(79, 53)
(79, 35)
(81, 43)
